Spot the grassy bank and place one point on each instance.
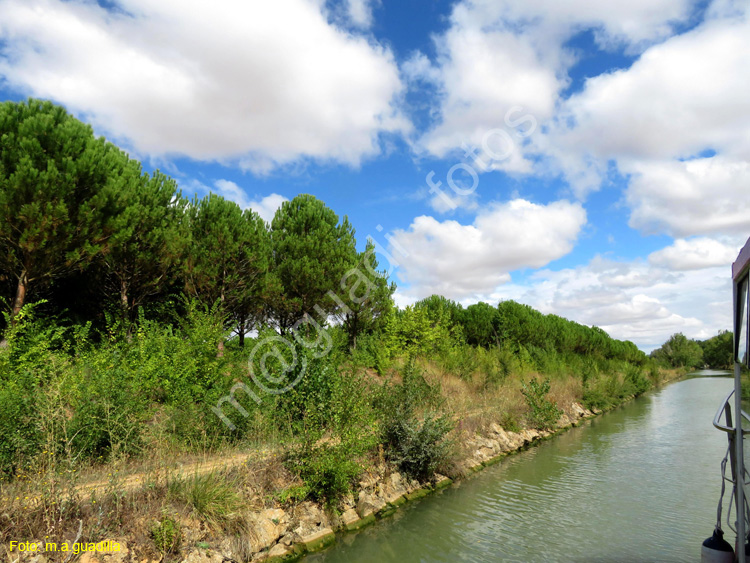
(115, 436)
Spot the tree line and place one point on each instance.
(679, 351)
(121, 296)
(85, 228)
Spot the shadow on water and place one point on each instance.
(640, 483)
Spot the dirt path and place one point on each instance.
(98, 483)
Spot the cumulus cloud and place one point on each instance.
(634, 300)
(499, 55)
(482, 76)
(254, 83)
(265, 207)
(444, 201)
(695, 254)
(680, 98)
(458, 260)
(694, 197)
(360, 12)
(632, 23)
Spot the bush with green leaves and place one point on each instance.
(167, 535)
(636, 380)
(414, 435)
(328, 470)
(543, 413)
(332, 424)
(418, 446)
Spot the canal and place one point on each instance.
(640, 483)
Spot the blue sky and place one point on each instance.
(591, 159)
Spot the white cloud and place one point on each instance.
(499, 54)
(260, 83)
(265, 207)
(695, 254)
(634, 23)
(360, 12)
(444, 201)
(699, 196)
(482, 75)
(680, 98)
(458, 260)
(636, 300)
(231, 191)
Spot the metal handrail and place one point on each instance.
(727, 409)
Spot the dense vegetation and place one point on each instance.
(131, 312)
(681, 352)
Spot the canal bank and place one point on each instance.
(640, 484)
(279, 530)
(307, 529)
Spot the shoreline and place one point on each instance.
(287, 533)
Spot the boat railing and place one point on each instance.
(726, 409)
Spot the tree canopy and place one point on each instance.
(679, 351)
(57, 187)
(312, 251)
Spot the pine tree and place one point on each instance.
(56, 186)
(312, 252)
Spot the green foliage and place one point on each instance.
(372, 352)
(411, 394)
(18, 424)
(312, 252)
(418, 446)
(417, 330)
(329, 471)
(637, 380)
(415, 442)
(521, 326)
(57, 187)
(229, 260)
(718, 351)
(60, 395)
(148, 240)
(480, 323)
(679, 352)
(441, 310)
(213, 497)
(167, 535)
(333, 424)
(510, 422)
(543, 413)
(366, 297)
(459, 359)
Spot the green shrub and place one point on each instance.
(327, 470)
(167, 535)
(637, 380)
(543, 412)
(403, 399)
(415, 443)
(418, 447)
(510, 422)
(213, 497)
(19, 417)
(461, 360)
(371, 352)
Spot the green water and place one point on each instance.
(640, 483)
